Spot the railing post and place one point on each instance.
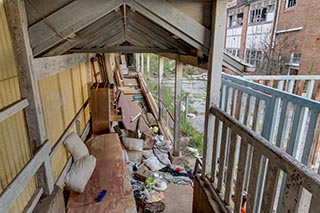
(142, 64)
(160, 75)
(137, 55)
(186, 102)
(219, 15)
(177, 108)
(148, 70)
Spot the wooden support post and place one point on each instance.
(160, 75)
(137, 62)
(186, 103)
(177, 107)
(142, 64)
(219, 16)
(17, 22)
(148, 70)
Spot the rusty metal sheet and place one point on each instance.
(110, 174)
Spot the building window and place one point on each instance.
(230, 21)
(291, 3)
(254, 57)
(233, 51)
(258, 15)
(271, 8)
(295, 58)
(239, 19)
(235, 20)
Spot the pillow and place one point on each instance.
(80, 173)
(75, 146)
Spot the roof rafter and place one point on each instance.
(125, 49)
(68, 20)
(173, 20)
(146, 25)
(91, 31)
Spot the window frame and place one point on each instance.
(294, 58)
(292, 5)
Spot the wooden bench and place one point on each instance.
(110, 174)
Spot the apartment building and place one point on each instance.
(249, 30)
(279, 37)
(298, 36)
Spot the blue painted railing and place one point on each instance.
(287, 120)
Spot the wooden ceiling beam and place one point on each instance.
(112, 37)
(67, 21)
(173, 20)
(144, 23)
(125, 49)
(103, 34)
(186, 59)
(163, 40)
(102, 24)
(144, 37)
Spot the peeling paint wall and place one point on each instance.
(14, 144)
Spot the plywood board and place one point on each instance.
(110, 174)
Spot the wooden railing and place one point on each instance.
(289, 121)
(239, 156)
(42, 157)
(303, 85)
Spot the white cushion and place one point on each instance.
(75, 146)
(80, 173)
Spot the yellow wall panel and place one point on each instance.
(15, 150)
(62, 96)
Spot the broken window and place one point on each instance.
(239, 19)
(230, 21)
(254, 57)
(271, 8)
(233, 51)
(258, 15)
(295, 58)
(291, 3)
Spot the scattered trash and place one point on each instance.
(182, 180)
(163, 157)
(132, 144)
(155, 129)
(155, 197)
(159, 185)
(177, 173)
(149, 180)
(154, 207)
(194, 151)
(135, 168)
(101, 195)
(142, 174)
(153, 164)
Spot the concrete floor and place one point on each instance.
(178, 199)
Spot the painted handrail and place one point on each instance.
(246, 166)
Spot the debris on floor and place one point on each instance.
(145, 144)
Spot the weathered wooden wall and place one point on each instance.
(62, 96)
(14, 145)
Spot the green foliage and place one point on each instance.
(196, 138)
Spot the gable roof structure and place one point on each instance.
(159, 26)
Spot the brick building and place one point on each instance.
(249, 30)
(298, 36)
(277, 36)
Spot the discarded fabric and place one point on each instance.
(153, 164)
